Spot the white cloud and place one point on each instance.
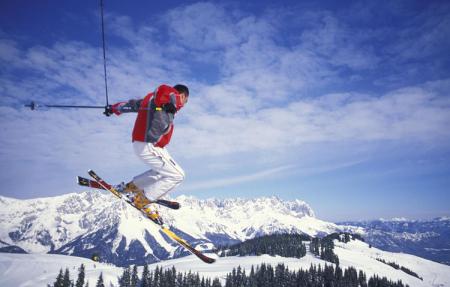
(258, 107)
(215, 183)
(340, 45)
(212, 28)
(409, 114)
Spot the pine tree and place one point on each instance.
(216, 283)
(125, 279)
(173, 277)
(362, 279)
(81, 275)
(100, 281)
(134, 277)
(145, 277)
(179, 280)
(66, 280)
(157, 277)
(59, 279)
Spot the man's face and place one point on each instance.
(184, 98)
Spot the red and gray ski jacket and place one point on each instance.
(153, 124)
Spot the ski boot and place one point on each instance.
(152, 214)
(128, 190)
(136, 197)
(144, 204)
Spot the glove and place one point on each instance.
(113, 109)
(169, 108)
(108, 111)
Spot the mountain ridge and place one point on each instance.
(427, 238)
(92, 221)
(89, 222)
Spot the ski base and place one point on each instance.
(163, 228)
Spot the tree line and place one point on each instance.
(402, 268)
(289, 245)
(324, 248)
(286, 245)
(264, 275)
(316, 276)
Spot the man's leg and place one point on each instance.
(164, 174)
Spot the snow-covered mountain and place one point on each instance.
(93, 222)
(425, 238)
(83, 224)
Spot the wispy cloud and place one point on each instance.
(259, 87)
(230, 181)
(415, 114)
(272, 173)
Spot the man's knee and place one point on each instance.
(179, 176)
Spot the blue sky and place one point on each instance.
(344, 105)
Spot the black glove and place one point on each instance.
(108, 111)
(169, 108)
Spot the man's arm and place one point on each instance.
(132, 106)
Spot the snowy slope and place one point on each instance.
(22, 270)
(355, 254)
(95, 222)
(44, 268)
(359, 255)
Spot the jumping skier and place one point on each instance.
(152, 132)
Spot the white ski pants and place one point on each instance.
(164, 173)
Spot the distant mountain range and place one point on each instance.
(93, 222)
(425, 238)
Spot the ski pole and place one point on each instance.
(34, 106)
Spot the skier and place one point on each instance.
(152, 132)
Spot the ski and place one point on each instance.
(163, 228)
(93, 184)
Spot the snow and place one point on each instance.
(40, 223)
(23, 270)
(134, 228)
(353, 254)
(58, 220)
(41, 269)
(400, 219)
(359, 255)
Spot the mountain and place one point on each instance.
(92, 222)
(425, 238)
(8, 248)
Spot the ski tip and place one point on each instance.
(82, 181)
(206, 259)
(91, 173)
